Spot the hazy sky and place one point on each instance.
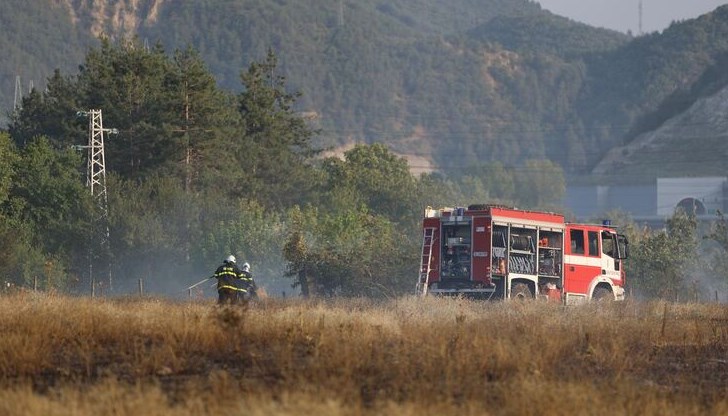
(623, 15)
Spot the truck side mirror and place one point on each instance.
(623, 246)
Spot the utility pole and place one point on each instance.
(96, 182)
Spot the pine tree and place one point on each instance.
(278, 145)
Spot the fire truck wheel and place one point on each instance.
(521, 291)
(602, 294)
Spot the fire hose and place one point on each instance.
(198, 283)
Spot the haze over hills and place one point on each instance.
(450, 84)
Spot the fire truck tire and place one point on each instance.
(521, 291)
(602, 294)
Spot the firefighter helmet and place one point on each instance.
(246, 267)
(230, 259)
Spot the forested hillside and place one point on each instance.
(656, 77)
(35, 38)
(458, 84)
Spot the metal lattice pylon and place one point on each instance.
(18, 99)
(96, 173)
(96, 182)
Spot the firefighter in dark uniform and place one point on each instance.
(231, 285)
(248, 283)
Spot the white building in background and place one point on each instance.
(703, 196)
(650, 203)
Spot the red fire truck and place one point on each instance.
(496, 252)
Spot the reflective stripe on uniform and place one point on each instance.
(226, 271)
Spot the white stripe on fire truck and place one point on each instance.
(583, 260)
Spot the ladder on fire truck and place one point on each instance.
(427, 243)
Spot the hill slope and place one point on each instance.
(698, 134)
(36, 36)
(453, 83)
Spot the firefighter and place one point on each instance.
(249, 283)
(231, 282)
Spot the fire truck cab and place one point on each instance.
(495, 252)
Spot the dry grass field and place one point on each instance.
(83, 356)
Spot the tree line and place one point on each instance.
(197, 173)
